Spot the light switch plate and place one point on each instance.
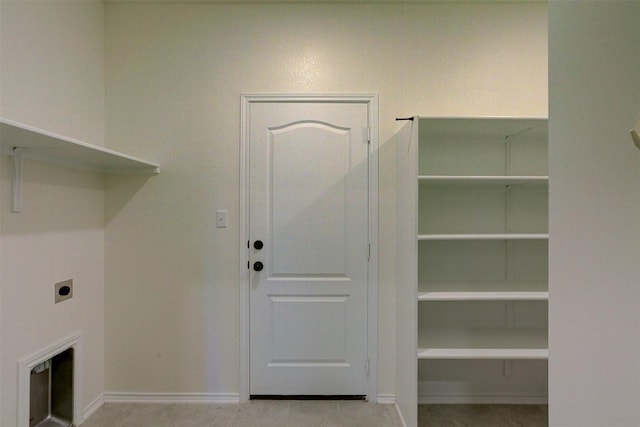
(221, 219)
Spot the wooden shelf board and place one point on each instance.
(47, 146)
(481, 343)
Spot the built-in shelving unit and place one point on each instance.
(24, 141)
(472, 236)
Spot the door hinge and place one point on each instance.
(368, 251)
(368, 135)
(366, 367)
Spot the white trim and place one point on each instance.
(372, 324)
(92, 407)
(483, 400)
(372, 100)
(25, 366)
(386, 399)
(244, 256)
(404, 423)
(131, 397)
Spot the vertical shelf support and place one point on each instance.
(18, 162)
(507, 365)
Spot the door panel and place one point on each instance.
(325, 343)
(309, 196)
(308, 192)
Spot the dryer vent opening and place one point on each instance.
(51, 392)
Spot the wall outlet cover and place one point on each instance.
(63, 290)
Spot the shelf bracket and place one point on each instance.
(635, 137)
(18, 162)
(634, 134)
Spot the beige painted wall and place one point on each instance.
(53, 66)
(594, 305)
(52, 77)
(174, 76)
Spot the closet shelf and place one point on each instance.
(483, 179)
(486, 236)
(483, 343)
(483, 291)
(23, 141)
(484, 296)
(47, 146)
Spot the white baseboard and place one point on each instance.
(129, 397)
(486, 400)
(518, 393)
(386, 399)
(93, 407)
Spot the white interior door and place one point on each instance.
(308, 205)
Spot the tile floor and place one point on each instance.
(272, 413)
(483, 416)
(258, 413)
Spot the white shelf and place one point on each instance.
(486, 236)
(479, 343)
(47, 146)
(23, 141)
(483, 291)
(482, 179)
(484, 296)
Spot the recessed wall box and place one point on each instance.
(63, 290)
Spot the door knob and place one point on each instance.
(258, 244)
(258, 266)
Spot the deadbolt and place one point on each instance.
(258, 244)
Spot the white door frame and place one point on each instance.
(372, 294)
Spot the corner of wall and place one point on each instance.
(52, 77)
